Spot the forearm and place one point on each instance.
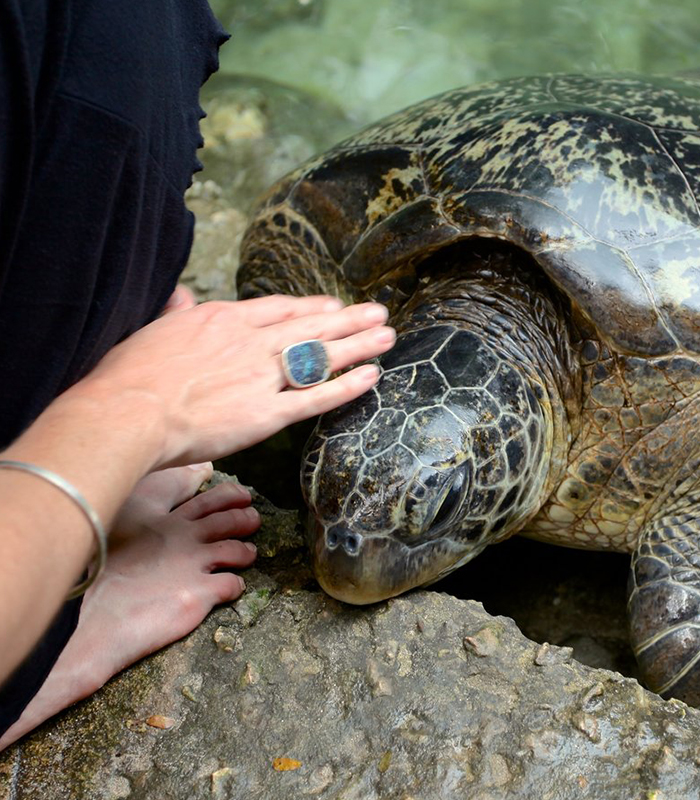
(102, 446)
(192, 386)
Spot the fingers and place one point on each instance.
(263, 311)
(300, 404)
(216, 373)
(360, 347)
(220, 498)
(327, 326)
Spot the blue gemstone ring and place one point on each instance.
(305, 364)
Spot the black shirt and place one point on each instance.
(99, 124)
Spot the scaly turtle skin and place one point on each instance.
(537, 242)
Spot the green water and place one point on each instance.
(371, 57)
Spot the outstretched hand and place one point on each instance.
(214, 372)
(196, 384)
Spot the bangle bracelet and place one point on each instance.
(69, 490)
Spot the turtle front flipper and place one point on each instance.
(664, 606)
(283, 253)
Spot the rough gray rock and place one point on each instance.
(290, 694)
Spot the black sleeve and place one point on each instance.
(18, 122)
(99, 127)
(16, 128)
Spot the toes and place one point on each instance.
(232, 523)
(168, 488)
(181, 299)
(220, 498)
(229, 553)
(226, 586)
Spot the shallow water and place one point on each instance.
(372, 57)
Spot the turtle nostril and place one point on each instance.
(332, 539)
(339, 536)
(352, 543)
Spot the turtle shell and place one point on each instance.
(598, 178)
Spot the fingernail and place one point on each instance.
(242, 582)
(251, 547)
(385, 334)
(335, 304)
(369, 373)
(376, 313)
(252, 514)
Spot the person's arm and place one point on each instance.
(45, 540)
(192, 386)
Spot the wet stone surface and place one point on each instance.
(289, 694)
(255, 131)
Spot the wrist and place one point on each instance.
(100, 441)
(117, 422)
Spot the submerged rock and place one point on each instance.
(289, 693)
(255, 131)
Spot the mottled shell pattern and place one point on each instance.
(596, 177)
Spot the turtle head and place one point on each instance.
(414, 478)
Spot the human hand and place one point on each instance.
(211, 376)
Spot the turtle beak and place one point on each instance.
(362, 570)
(353, 568)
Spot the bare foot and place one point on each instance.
(181, 299)
(158, 584)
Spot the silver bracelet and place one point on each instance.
(70, 490)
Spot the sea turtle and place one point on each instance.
(537, 242)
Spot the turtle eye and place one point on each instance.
(451, 500)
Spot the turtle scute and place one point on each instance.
(537, 241)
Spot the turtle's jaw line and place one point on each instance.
(383, 568)
(353, 578)
(349, 592)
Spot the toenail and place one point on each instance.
(384, 334)
(199, 467)
(251, 547)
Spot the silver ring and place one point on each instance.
(306, 364)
